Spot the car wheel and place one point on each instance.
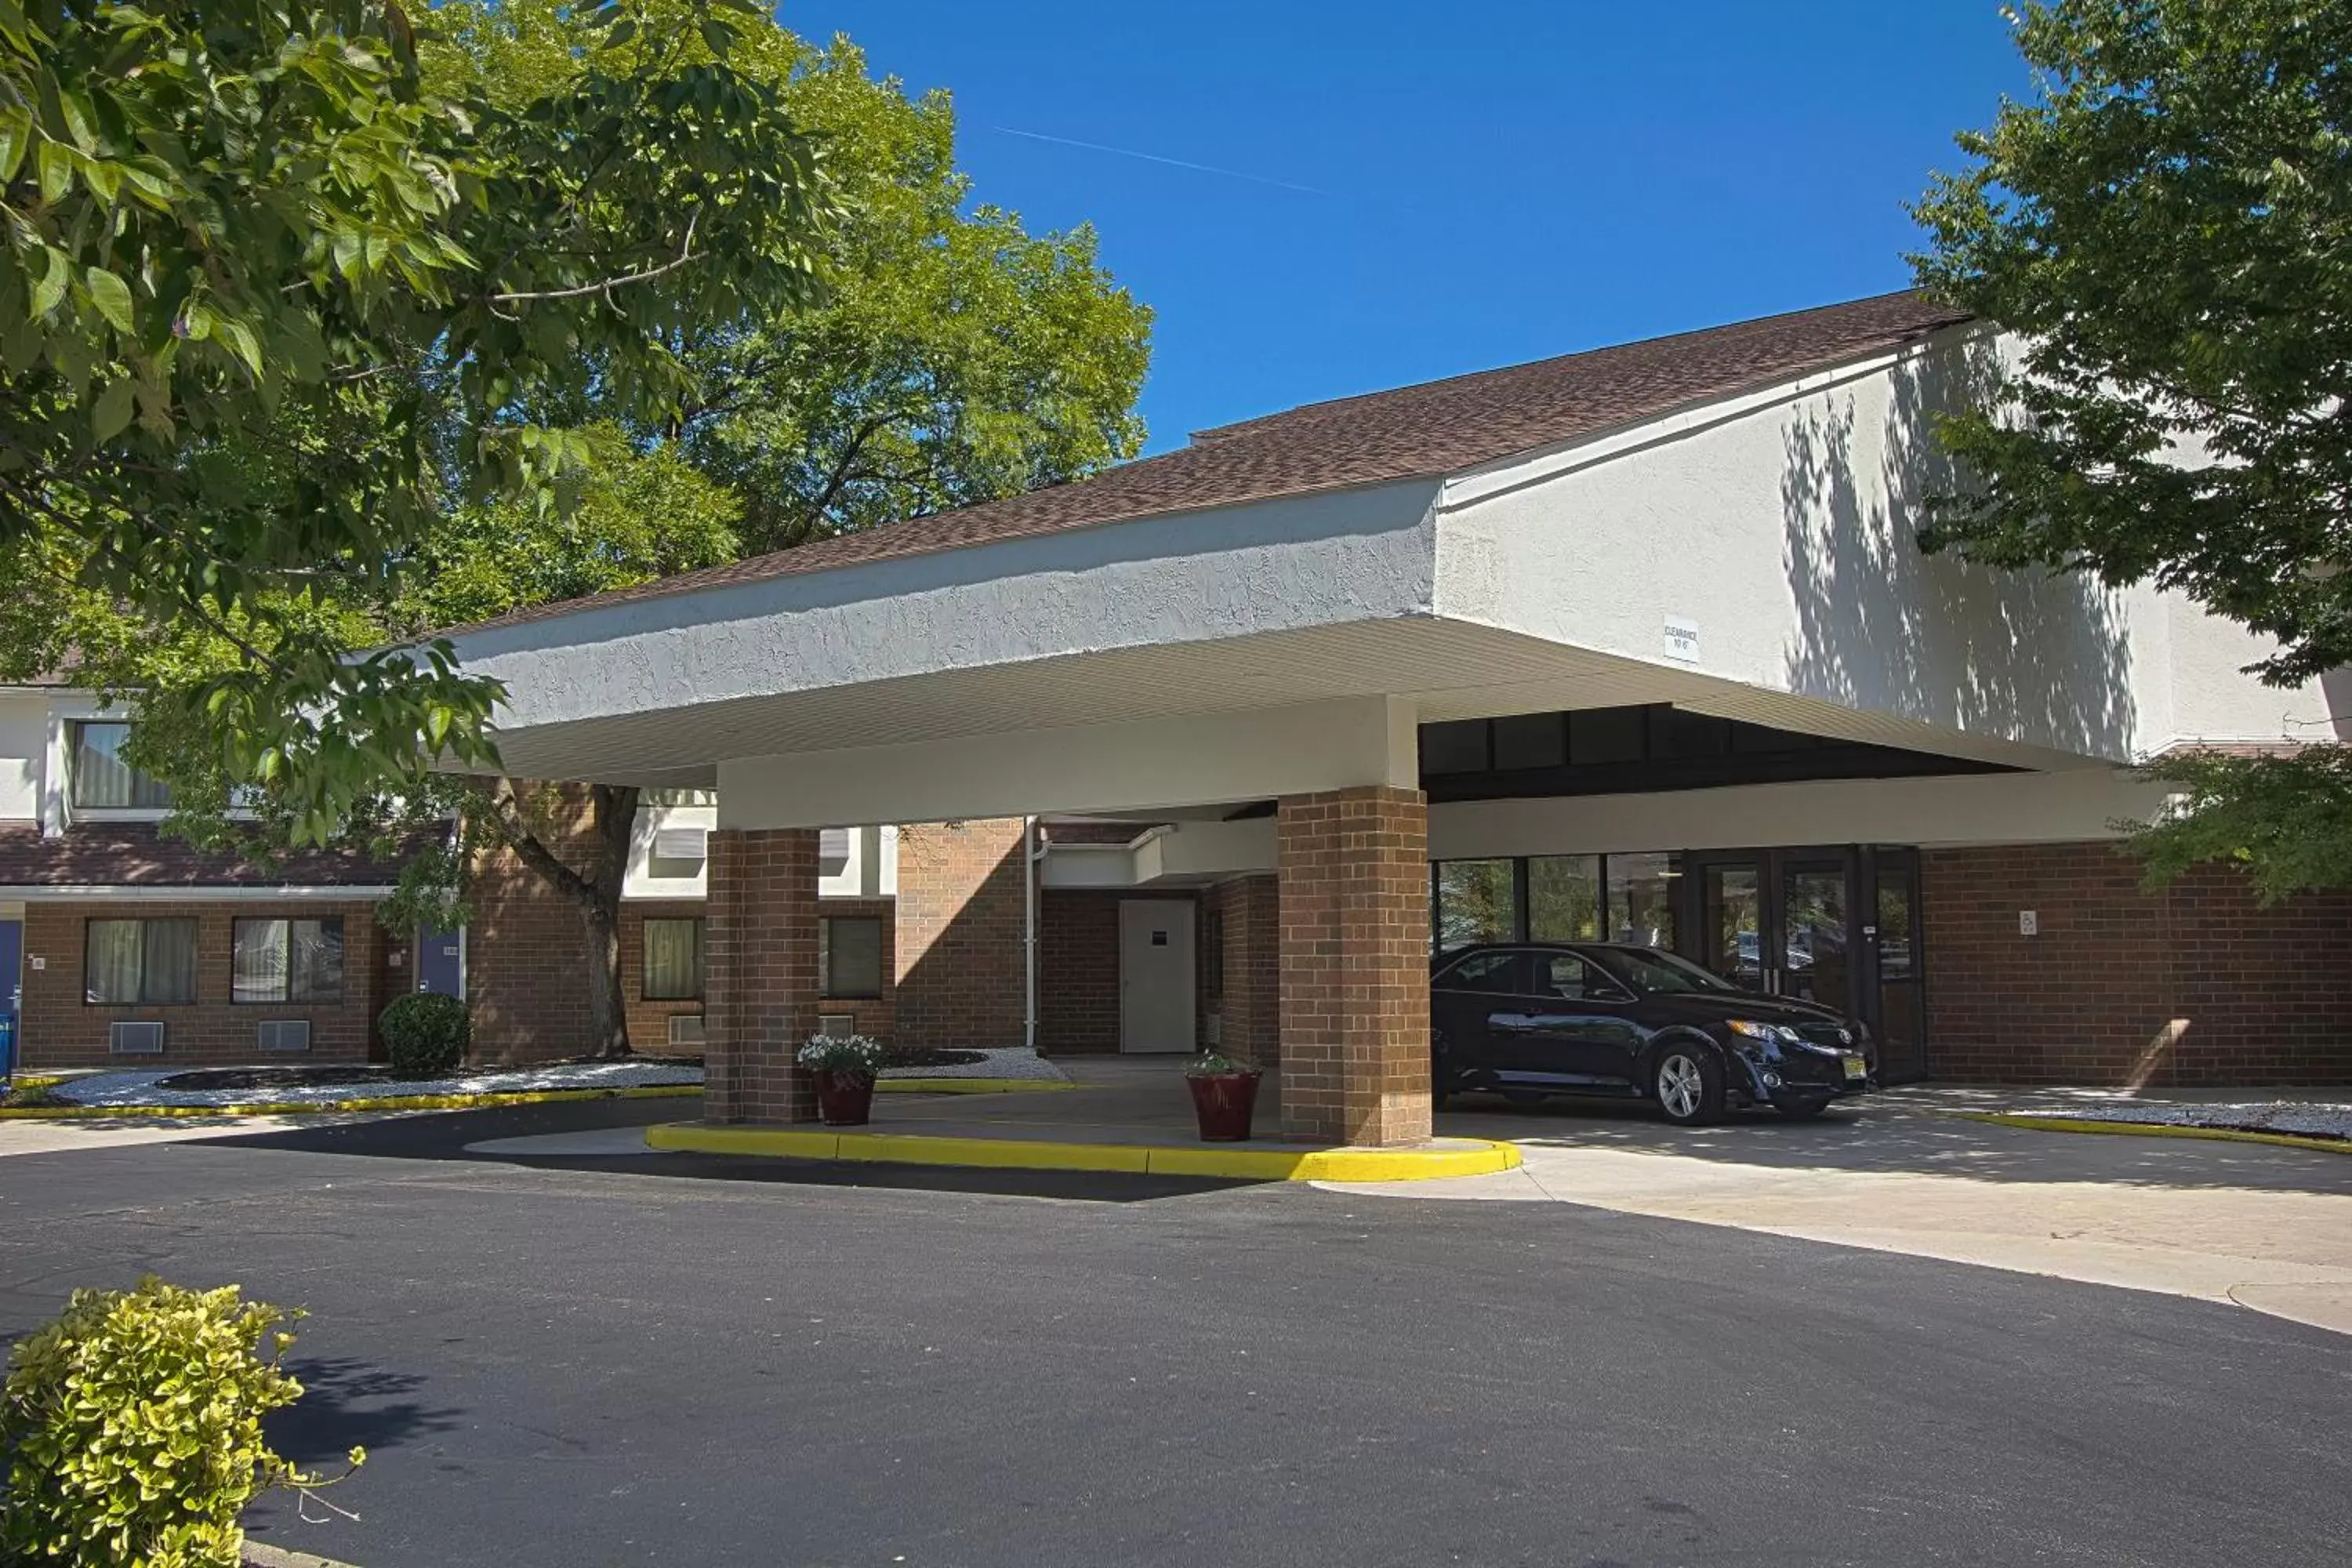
(1689, 1085)
(1801, 1109)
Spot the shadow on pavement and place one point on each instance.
(1892, 1137)
(446, 1136)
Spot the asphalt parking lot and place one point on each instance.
(751, 1362)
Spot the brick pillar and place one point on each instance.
(1252, 1015)
(1353, 871)
(962, 980)
(760, 975)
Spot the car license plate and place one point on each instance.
(1856, 1069)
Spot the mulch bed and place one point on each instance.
(912, 1058)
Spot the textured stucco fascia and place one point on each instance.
(1353, 555)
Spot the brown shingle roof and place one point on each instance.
(135, 854)
(1414, 432)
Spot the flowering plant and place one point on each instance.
(842, 1054)
(1214, 1063)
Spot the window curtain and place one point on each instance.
(102, 780)
(849, 957)
(111, 966)
(258, 962)
(315, 960)
(171, 960)
(673, 961)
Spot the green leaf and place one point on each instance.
(55, 163)
(56, 276)
(111, 414)
(15, 135)
(111, 295)
(241, 341)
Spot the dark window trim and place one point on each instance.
(89, 920)
(287, 999)
(646, 991)
(825, 990)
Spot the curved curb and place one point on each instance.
(345, 1106)
(2153, 1130)
(1480, 1157)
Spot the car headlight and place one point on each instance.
(1755, 1029)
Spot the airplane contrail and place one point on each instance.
(1156, 158)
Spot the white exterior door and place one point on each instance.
(1155, 974)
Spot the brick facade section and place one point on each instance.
(1353, 869)
(648, 1018)
(526, 964)
(759, 975)
(1248, 1003)
(58, 1029)
(1077, 972)
(2196, 985)
(961, 929)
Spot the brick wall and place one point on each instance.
(649, 1018)
(877, 1015)
(1353, 866)
(2194, 986)
(960, 927)
(526, 969)
(1249, 1024)
(1077, 972)
(58, 1030)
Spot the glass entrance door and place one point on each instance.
(1899, 1022)
(1779, 920)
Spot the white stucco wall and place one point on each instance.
(1315, 561)
(1782, 526)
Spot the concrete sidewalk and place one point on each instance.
(2262, 1227)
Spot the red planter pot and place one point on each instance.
(1224, 1102)
(844, 1099)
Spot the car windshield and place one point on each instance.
(1652, 971)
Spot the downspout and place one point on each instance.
(1032, 849)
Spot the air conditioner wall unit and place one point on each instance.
(681, 843)
(139, 1039)
(276, 1035)
(685, 1028)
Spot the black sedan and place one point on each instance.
(1533, 1019)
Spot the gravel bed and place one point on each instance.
(132, 1089)
(2306, 1116)
(144, 1088)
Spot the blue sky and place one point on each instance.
(1432, 189)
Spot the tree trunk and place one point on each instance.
(614, 815)
(608, 1014)
(594, 890)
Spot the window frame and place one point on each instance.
(196, 965)
(287, 996)
(132, 811)
(646, 991)
(826, 989)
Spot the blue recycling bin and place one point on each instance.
(8, 1044)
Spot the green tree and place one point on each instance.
(2167, 224)
(945, 356)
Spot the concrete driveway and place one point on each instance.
(2259, 1226)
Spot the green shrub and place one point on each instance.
(426, 1035)
(130, 1429)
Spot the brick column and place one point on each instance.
(1353, 872)
(1252, 1027)
(760, 975)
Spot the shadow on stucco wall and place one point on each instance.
(2037, 658)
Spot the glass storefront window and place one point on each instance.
(1642, 898)
(1476, 902)
(1564, 898)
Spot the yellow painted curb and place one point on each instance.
(2155, 1129)
(1484, 1158)
(970, 1085)
(343, 1107)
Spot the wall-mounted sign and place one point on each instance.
(1681, 640)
